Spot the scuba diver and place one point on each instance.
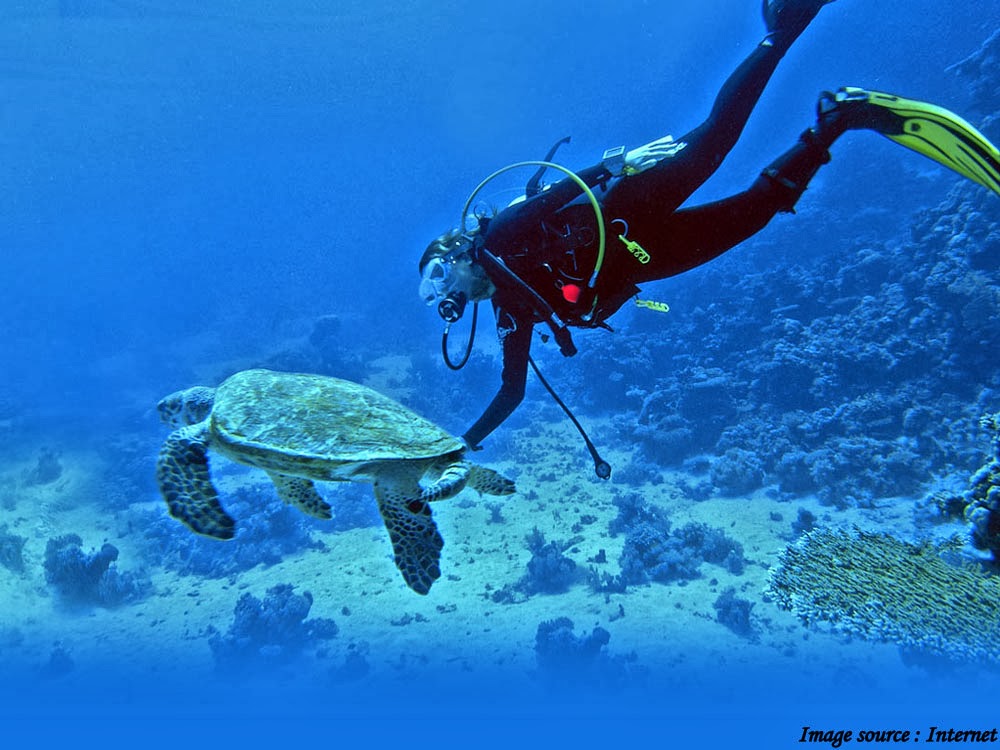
(542, 259)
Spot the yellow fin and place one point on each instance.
(938, 134)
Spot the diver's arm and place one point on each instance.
(516, 342)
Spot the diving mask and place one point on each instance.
(438, 285)
(434, 283)
(438, 277)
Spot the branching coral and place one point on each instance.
(880, 588)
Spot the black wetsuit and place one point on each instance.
(550, 240)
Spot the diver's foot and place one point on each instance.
(926, 128)
(790, 16)
(851, 108)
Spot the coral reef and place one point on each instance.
(567, 660)
(353, 508)
(267, 530)
(12, 550)
(737, 472)
(90, 578)
(496, 513)
(129, 467)
(981, 501)
(8, 496)
(633, 510)
(980, 70)
(549, 570)
(654, 552)
(664, 556)
(46, 470)
(734, 613)
(355, 665)
(60, 663)
(804, 522)
(326, 351)
(268, 632)
(823, 398)
(880, 588)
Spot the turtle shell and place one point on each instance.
(320, 418)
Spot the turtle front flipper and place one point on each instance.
(302, 494)
(449, 483)
(182, 473)
(416, 543)
(488, 482)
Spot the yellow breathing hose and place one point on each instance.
(573, 176)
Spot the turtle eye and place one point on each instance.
(167, 412)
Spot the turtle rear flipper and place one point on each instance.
(182, 473)
(488, 482)
(302, 494)
(416, 543)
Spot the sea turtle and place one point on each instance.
(302, 428)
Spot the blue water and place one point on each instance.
(188, 187)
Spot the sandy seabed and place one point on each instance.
(667, 634)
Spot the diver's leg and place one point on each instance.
(787, 177)
(661, 189)
(926, 128)
(701, 233)
(697, 235)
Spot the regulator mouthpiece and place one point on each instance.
(452, 307)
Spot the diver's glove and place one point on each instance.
(620, 163)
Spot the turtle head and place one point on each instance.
(189, 406)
